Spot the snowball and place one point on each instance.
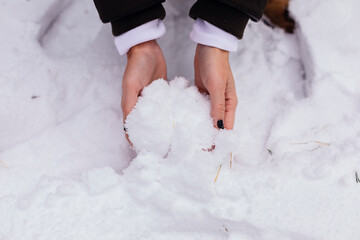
(171, 117)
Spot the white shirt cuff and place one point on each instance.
(149, 31)
(207, 34)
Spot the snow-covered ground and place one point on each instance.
(67, 172)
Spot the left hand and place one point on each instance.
(213, 75)
(145, 63)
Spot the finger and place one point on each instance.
(198, 83)
(231, 102)
(131, 87)
(128, 138)
(160, 71)
(217, 99)
(128, 101)
(230, 111)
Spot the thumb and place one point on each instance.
(128, 101)
(217, 99)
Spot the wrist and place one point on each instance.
(207, 34)
(213, 51)
(143, 47)
(144, 33)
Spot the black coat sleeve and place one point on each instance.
(125, 15)
(229, 15)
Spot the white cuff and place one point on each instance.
(207, 34)
(149, 31)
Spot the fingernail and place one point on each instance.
(220, 124)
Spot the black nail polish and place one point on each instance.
(220, 124)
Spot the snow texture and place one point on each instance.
(180, 119)
(67, 171)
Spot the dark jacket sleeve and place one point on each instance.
(125, 15)
(229, 15)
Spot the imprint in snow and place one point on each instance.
(69, 27)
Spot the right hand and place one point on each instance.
(213, 75)
(145, 63)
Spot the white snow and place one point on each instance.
(67, 172)
(171, 116)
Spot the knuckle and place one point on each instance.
(212, 88)
(217, 89)
(231, 106)
(215, 84)
(236, 101)
(219, 107)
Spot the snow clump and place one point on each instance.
(174, 119)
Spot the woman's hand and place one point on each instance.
(145, 63)
(213, 76)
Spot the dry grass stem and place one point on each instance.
(320, 145)
(318, 142)
(217, 175)
(4, 164)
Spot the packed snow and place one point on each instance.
(286, 171)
